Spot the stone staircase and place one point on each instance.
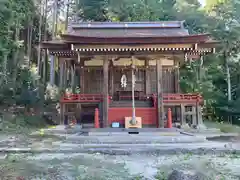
(126, 103)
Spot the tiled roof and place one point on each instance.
(156, 24)
(129, 29)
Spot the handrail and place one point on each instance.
(167, 97)
(82, 97)
(179, 97)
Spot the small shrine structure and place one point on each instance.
(127, 69)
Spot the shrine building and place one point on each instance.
(99, 60)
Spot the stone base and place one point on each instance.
(182, 175)
(185, 127)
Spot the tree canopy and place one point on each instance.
(216, 77)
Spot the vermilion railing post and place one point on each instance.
(96, 118)
(169, 118)
(154, 100)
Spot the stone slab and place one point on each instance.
(127, 134)
(161, 149)
(133, 139)
(130, 130)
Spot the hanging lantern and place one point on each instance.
(185, 57)
(79, 58)
(124, 81)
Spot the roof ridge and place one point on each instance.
(144, 24)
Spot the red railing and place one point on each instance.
(167, 98)
(82, 98)
(181, 98)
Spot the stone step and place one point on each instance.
(128, 149)
(125, 134)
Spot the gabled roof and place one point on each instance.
(128, 29)
(152, 24)
(125, 35)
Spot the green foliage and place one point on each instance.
(92, 9)
(17, 84)
(209, 77)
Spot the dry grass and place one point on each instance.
(224, 127)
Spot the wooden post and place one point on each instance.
(65, 76)
(147, 78)
(199, 111)
(81, 72)
(194, 115)
(61, 76)
(45, 64)
(62, 113)
(52, 70)
(73, 76)
(199, 115)
(176, 78)
(111, 80)
(176, 83)
(183, 119)
(160, 105)
(105, 93)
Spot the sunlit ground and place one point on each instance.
(102, 167)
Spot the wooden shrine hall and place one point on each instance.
(116, 67)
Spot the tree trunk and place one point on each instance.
(39, 41)
(201, 68)
(228, 76)
(229, 87)
(29, 46)
(67, 14)
(54, 29)
(3, 80)
(15, 58)
(45, 62)
(55, 19)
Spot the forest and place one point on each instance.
(25, 72)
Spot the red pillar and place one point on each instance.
(169, 119)
(96, 118)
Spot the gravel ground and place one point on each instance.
(101, 167)
(216, 160)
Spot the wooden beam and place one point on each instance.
(88, 54)
(160, 110)
(105, 92)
